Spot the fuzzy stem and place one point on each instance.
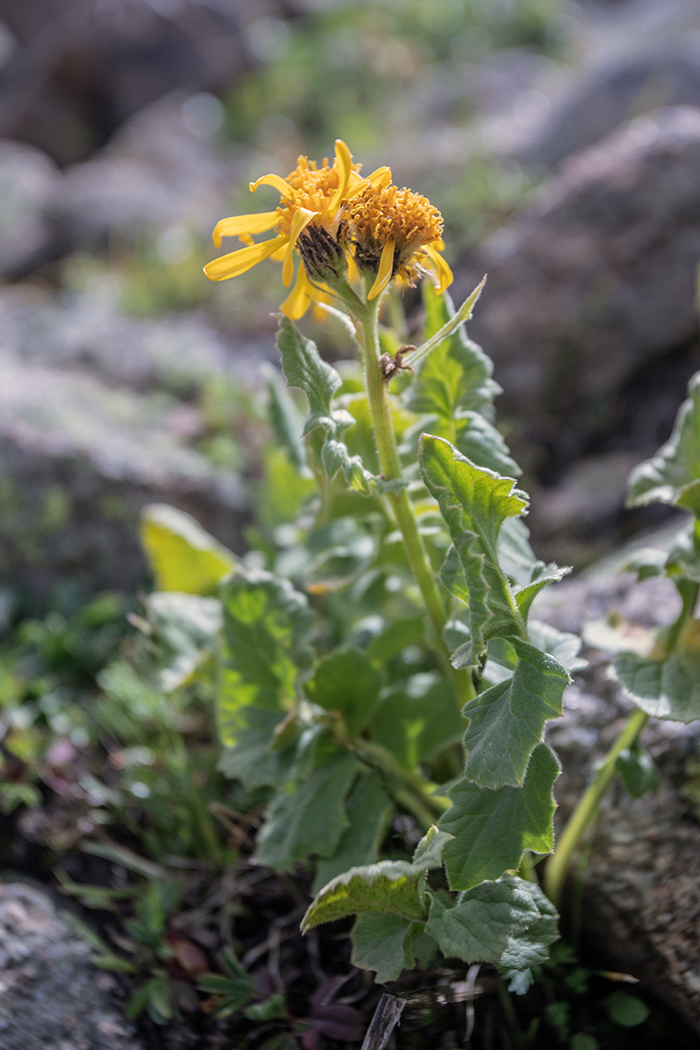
(587, 809)
(382, 423)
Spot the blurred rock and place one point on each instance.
(593, 284)
(164, 169)
(613, 95)
(642, 879)
(28, 180)
(82, 67)
(78, 460)
(53, 998)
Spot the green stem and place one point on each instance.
(380, 411)
(587, 809)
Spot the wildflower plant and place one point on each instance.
(401, 605)
(378, 654)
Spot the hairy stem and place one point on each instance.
(377, 391)
(587, 809)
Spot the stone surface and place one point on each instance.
(28, 180)
(81, 67)
(98, 416)
(594, 283)
(164, 168)
(642, 881)
(52, 997)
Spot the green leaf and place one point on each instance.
(457, 374)
(562, 645)
(627, 1010)
(307, 817)
(506, 722)
(187, 627)
(346, 682)
(283, 490)
(182, 556)
(673, 474)
(383, 943)
(668, 689)
(390, 887)
(479, 441)
(368, 810)
(474, 503)
(267, 626)
(285, 420)
(637, 770)
(395, 637)
(258, 759)
(304, 368)
(543, 576)
(492, 829)
(416, 720)
(508, 922)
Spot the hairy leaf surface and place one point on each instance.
(507, 721)
(492, 829)
(669, 688)
(346, 682)
(307, 817)
(368, 810)
(508, 922)
(475, 503)
(673, 474)
(383, 943)
(304, 368)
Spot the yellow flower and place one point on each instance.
(341, 225)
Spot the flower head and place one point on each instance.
(341, 225)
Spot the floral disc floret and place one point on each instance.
(341, 225)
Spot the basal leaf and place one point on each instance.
(267, 626)
(256, 759)
(417, 719)
(665, 688)
(304, 368)
(457, 374)
(309, 817)
(182, 555)
(507, 721)
(383, 943)
(390, 887)
(474, 503)
(673, 474)
(346, 682)
(395, 637)
(507, 922)
(492, 829)
(368, 809)
(187, 627)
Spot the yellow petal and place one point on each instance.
(280, 255)
(380, 178)
(343, 158)
(356, 189)
(236, 263)
(273, 180)
(237, 224)
(442, 271)
(302, 218)
(299, 299)
(386, 267)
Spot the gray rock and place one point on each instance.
(594, 282)
(81, 67)
(609, 97)
(165, 168)
(642, 880)
(53, 998)
(78, 460)
(28, 180)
